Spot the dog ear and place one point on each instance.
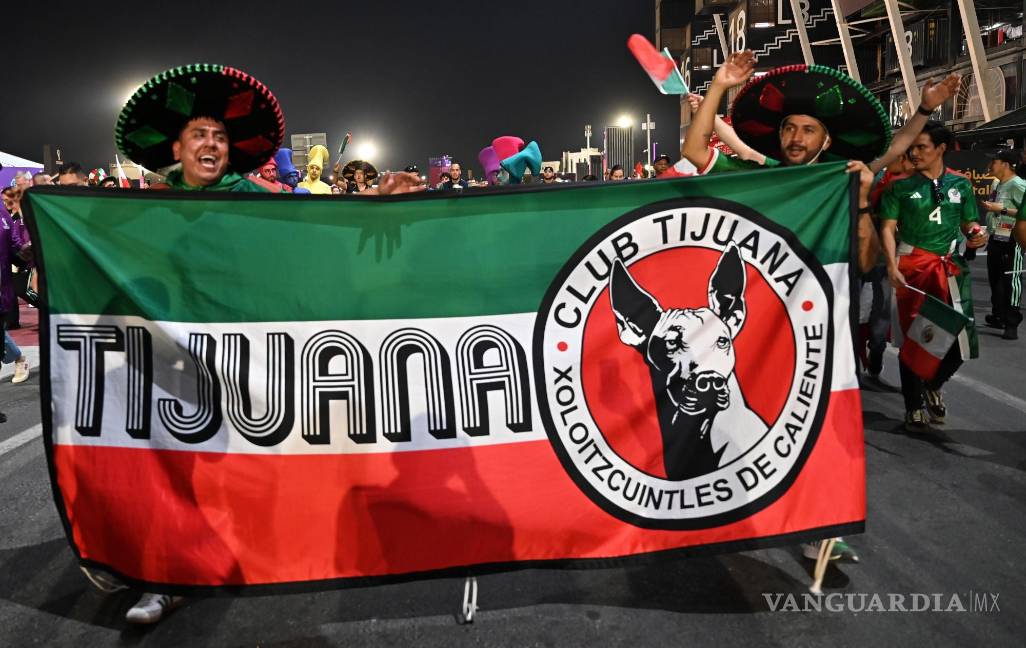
(636, 311)
(727, 289)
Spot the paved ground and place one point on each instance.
(947, 515)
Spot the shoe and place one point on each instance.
(915, 422)
(102, 581)
(21, 371)
(935, 405)
(994, 321)
(152, 607)
(1010, 333)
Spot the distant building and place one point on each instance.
(618, 147)
(301, 145)
(587, 161)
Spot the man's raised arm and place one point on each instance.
(934, 95)
(736, 70)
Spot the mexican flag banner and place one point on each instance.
(929, 338)
(280, 391)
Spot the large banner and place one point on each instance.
(259, 390)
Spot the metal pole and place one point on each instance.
(846, 46)
(908, 74)
(718, 22)
(803, 35)
(648, 137)
(977, 54)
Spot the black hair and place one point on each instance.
(663, 157)
(590, 178)
(939, 134)
(73, 167)
(615, 167)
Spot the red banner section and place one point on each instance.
(202, 519)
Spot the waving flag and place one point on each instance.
(659, 66)
(499, 379)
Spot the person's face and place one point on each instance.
(71, 179)
(108, 183)
(455, 171)
(341, 183)
(660, 165)
(359, 176)
(335, 189)
(41, 179)
(10, 203)
(314, 171)
(202, 148)
(802, 138)
(23, 181)
(548, 174)
(617, 174)
(924, 154)
(269, 172)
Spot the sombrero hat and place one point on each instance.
(857, 123)
(154, 116)
(369, 172)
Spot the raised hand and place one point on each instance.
(398, 183)
(737, 69)
(936, 94)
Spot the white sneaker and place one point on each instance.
(151, 608)
(21, 371)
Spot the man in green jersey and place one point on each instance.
(1003, 255)
(931, 210)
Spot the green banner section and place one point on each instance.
(233, 257)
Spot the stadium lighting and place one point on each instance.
(624, 121)
(366, 151)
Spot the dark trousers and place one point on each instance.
(1005, 289)
(912, 385)
(879, 317)
(20, 281)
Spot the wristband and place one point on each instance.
(923, 111)
(1004, 211)
(865, 210)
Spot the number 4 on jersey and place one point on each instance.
(935, 215)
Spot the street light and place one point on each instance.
(366, 151)
(624, 121)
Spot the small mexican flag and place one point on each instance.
(659, 66)
(935, 328)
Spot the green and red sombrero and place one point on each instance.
(154, 116)
(858, 125)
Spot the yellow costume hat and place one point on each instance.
(318, 155)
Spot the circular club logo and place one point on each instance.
(683, 360)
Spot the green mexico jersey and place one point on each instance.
(930, 216)
(720, 163)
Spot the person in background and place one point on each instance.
(110, 182)
(616, 173)
(12, 247)
(40, 179)
(72, 175)
(932, 209)
(548, 175)
(455, 181)
(1004, 256)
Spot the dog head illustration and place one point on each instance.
(690, 354)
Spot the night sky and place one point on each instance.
(418, 79)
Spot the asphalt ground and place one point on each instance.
(947, 516)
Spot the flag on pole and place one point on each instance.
(659, 66)
(469, 387)
(122, 178)
(929, 338)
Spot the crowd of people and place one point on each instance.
(917, 220)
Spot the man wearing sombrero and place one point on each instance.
(217, 121)
(801, 114)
